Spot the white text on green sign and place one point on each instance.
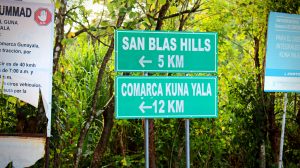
(166, 97)
(155, 51)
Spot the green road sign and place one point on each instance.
(156, 51)
(166, 97)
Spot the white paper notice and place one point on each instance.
(26, 51)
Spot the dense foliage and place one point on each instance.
(84, 131)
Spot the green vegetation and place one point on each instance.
(84, 130)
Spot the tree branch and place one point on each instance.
(162, 12)
(93, 114)
(86, 30)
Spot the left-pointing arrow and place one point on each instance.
(142, 107)
(142, 61)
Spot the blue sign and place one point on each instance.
(283, 53)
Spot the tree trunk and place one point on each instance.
(181, 143)
(274, 132)
(162, 12)
(298, 115)
(260, 117)
(108, 115)
(89, 121)
(152, 156)
(262, 155)
(59, 31)
(257, 64)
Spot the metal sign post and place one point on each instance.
(146, 139)
(282, 130)
(187, 142)
(146, 143)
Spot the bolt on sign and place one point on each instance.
(157, 51)
(166, 97)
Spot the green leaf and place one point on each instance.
(12, 100)
(122, 10)
(132, 15)
(124, 162)
(57, 4)
(110, 30)
(104, 23)
(162, 1)
(173, 9)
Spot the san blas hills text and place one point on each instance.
(166, 44)
(12, 11)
